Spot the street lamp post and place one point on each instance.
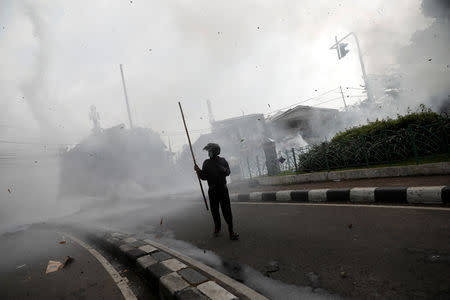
(341, 51)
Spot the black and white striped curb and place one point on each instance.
(412, 195)
(175, 275)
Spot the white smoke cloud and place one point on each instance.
(59, 58)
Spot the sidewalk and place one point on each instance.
(438, 180)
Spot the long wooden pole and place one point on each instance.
(193, 156)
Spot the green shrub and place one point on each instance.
(381, 141)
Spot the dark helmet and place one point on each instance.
(215, 148)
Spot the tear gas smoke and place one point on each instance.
(55, 66)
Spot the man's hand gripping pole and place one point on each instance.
(193, 156)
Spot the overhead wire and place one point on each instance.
(334, 99)
(303, 101)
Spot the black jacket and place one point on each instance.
(215, 171)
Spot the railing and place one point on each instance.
(253, 166)
(415, 143)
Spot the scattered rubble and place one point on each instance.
(53, 266)
(313, 279)
(271, 267)
(67, 261)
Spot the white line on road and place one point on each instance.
(120, 281)
(344, 205)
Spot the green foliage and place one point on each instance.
(419, 134)
(422, 118)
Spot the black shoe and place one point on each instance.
(216, 232)
(234, 236)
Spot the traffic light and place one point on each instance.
(342, 51)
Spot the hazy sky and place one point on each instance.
(57, 58)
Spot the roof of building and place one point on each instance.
(240, 118)
(295, 111)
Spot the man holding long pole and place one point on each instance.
(215, 170)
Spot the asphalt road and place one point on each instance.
(361, 252)
(23, 262)
(385, 253)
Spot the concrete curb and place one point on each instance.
(442, 168)
(411, 195)
(173, 274)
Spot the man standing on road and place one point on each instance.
(215, 170)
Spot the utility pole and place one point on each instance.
(170, 154)
(341, 51)
(126, 96)
(95, 118)
(210, 113)
(343, 98)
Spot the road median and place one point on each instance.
(436, 195)
(432, 169)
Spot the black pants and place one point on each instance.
(219, 196)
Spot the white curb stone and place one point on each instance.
(283, 196)
(362, 195)
(130, 240)
(174, 264)
(256, 196)
(173, 282)
(117, 235)
(146, 261)
(319, 195)
(425, 195)
(149, 242)
(126, 247)
(215, 291)
(148, 249)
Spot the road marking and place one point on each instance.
(121, 282)
(344, 205)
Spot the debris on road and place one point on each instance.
(435, 258)
(343, 274)
(53, 266)
(350, 226)
(271, 267)
(313, 279)
(67, 261)
(21, 266)
(62, 242)
(160, 223)
(9, 190)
